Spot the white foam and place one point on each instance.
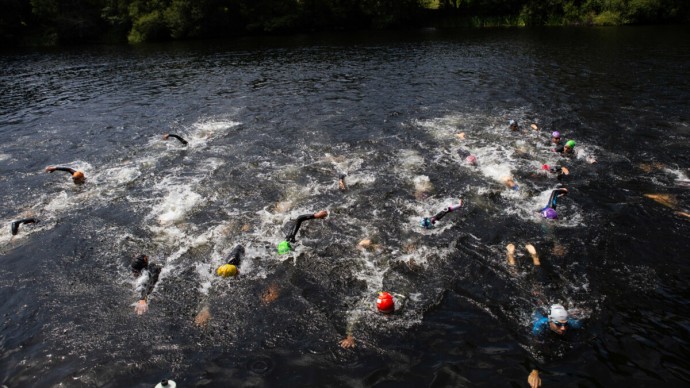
(176, 204)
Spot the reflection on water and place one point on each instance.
(271, 125)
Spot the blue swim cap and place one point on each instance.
(426, 223)
(549, 213)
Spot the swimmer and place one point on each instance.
(428, 223)
(471, 160)
(169, 135)
(549, 211)
(513, 125)
(556, 138)
(460, 135)
(386, 303)
(14, 228)
(284, 246)
(557, 322)
(231, 268)
(341, 182)
(510, 253)
(141, 267)
(77, 176)
(510, 183)
(566, 149)
(368, 244)
(560, 171)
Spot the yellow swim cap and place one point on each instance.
(226, 270)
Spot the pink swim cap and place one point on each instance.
(471, 160)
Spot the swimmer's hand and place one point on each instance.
(50, 168)
(534, 380)
(141, 307)
(348, 342)
(321, 214)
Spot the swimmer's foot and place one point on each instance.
(533, 252)
(203, 317)
(510, 251)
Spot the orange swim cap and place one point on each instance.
(78, 175)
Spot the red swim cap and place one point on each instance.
(384, 303)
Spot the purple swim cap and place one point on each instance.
(549, 213)
(556, 134)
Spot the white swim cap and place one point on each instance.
(558, 313)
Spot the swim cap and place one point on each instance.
(226, 270)
(556, 134)
(138, 263)
(570, 143)
(384, 303)
(78, 175)
(166, 384)
(558, 313)
(471, 159)
(512, 122)
(284, 247)
(426, 223)
(549, 213)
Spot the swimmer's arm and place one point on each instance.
(54, 168)
(349, 341)
(167, 135)
(533, 379)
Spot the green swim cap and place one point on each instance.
(570, 143)
(284, 247)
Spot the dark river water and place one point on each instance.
(271, 124)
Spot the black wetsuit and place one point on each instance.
(298, 222)
(154, 271)
(139, 264)
(15, 224)
(557, 170)
(67, 169)
(235, 257)
(183, 141)
(555, 194)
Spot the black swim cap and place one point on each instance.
(139, 262)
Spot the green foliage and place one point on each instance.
(65, 21)
(148, 27)
(608, 18)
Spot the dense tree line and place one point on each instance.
(49, 22)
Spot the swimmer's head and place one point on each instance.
(284, 247)
(570, 144)
(471, 160)
(556, 135)
(385, 303)
(226, 270)
(139, 263)
(558, 313)
(513, 125)
(549, 213)
(78, 177)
